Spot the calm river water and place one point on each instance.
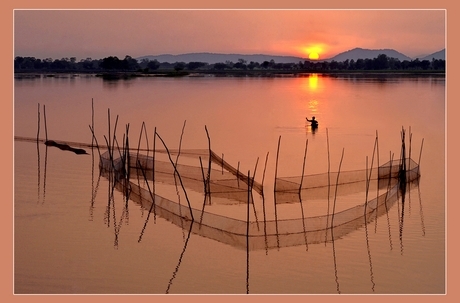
(72, 237)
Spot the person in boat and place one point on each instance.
(314, 123)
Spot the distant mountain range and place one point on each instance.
(355, 54)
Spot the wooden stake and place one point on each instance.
(46, 129)
(209, 164)
(180, 179)
(247, 235)
(276, 166)
(205, 190)
(328, 183)
(180, 142)
(274, 200)
(140, 137)
(92, 121)
(420, 157)
(303, 168)
(336, 185)
(265, 168)
(95, 140)
(38, 131)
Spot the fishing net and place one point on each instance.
(226, 182)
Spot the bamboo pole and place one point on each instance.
(410, 145)
(205, 190)
(46, 129)
(128, 161)
(247, 234)
(209, 164)
(276, 166)
(95, 140)
(251, 181)
(368, 178)
(274, 200)
(386, 197)
(38, 130)
(92, 121)
(180, 179)
(153, 160)
(114, 134)
(109, 136)
(265, 168)
(328, 183)
(38, 155)
(336, 186)
(140, 137)
(378, 177)
(180, 141)
(303, 168)
(263, 206)
(238, 174)
(420, 157)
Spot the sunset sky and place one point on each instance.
(97, 34)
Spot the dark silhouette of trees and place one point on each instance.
(153, 65)
(220, 66)
(381, 62)
(241, 64)
(110, 63)
(179, 66)
(195, 65)
(438, 64)
(252, 65)
(113, 64)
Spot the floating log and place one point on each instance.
(78, 151)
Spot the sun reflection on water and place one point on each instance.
(313, 105)
(313, 82)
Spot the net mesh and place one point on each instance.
(227, 182)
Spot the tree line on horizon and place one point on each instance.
(129, 64)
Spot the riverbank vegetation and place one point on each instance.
(129, 67)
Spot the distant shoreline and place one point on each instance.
(119, 75)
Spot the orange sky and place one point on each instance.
(100, 33)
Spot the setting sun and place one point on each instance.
(313, 56)
(313, 52)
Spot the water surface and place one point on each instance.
(69, 239)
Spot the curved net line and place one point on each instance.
(272, 233)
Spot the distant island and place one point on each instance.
(356, 61)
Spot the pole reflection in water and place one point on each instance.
(332, 224)
(335, 262)
(181, 256)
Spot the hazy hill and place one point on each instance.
(355, 54)
(438, 55)
(361, 53)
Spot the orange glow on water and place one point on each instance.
(313, 81)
